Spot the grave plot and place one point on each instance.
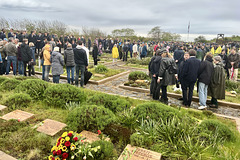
(17, 114)
(51, 127)
(91, 137)
(2, 107)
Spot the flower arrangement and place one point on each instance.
(72, 145)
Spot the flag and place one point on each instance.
(188, 27)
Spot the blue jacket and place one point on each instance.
(144, 51)
(190, 70)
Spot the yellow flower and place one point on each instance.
(57, 158)
(50, 157)
(64, 148)
(67, 138)
(62, 141)
(71, 132)
(73, 147)
(55, 148)
(80, 135)
(60, 146)
(64, 134)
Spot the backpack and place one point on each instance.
(172, 69)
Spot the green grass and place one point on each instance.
(137, 66)
(111, 72)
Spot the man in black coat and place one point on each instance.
(189, 73)
(95, 53)
(125, 51)
(80, 57)
(39, 42)
(178, 55)
(26, 56)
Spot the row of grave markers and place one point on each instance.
(51, 127)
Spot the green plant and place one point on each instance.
(137, 75)
(154, 111)
(9, 84)
(106, 151)
(233, 86)
(216, 127)
(114, 103)
(101, 69)
(128, 119)
(71, 105)
(60, 94)
(22, 78)
(144, 61)
(90, 117)
(18, 100)
(138, 140)
(34, 87)
(2, 79)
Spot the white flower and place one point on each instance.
(72, 157)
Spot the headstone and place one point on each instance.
(51, 127)
(4, 156)
(99, 75)
(2, 107)
(17, 114)
(91, 137)
(137, 153)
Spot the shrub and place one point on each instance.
(144, 61)
(111, 102)
(217, 128)
(2, 79)
(106, 152)
(34, 87)
(154, 111)
(128, 119)
(137, 140)
(60, 94)
(137, 75)
(18, 100)
(90, 118)
(101, 69)
(233, 86)
(9, 84)
(22, 78)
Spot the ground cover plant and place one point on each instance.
(175, 133)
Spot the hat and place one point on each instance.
(163, 50)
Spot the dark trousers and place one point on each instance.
(4, 66)
(187, 96)
(131, 54)
(155, 88)
(142, 56)
(25, 64)
(164, 93)
(95, 61)
(214, 101)
(56, 78)
(1, 70)
(120, 55)
(125, 56)
(82, 69)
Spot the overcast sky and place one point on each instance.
(207, 17)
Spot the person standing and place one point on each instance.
(80, 58)
(19, 59)
(115, 54)
(143, 51)
(200, 54)
(57, 64)
(233, 60)
(125, 51)
(26, 57)
(95, 54)
(178, 56)
(10, 50)
(70, 64)
(189, 74)
(46, 61)
(89, 43)
(39, 42)
(204, 77)
(135, 50)
(33, 63)
(217, 85)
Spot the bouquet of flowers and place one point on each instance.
(71, 145)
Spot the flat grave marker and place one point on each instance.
(17, 114)
(4, 156)
(137, 153)
(51, 127)
(2, 107)
(91, 137)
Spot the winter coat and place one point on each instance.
(224, 60)
(155, 65)
(144, 51)
(57, 63)
(190, 70)
(80, 56)
(200, 54)
(233, 58)
(115, 53)
(10, 49)
(26, 53)
(2, 53)
(19, 54)
(69, 57)
(46, 55)
(95, 52)
(216, 88)
(135, 48)
(205, 71)
(167, 78)
(178, 55)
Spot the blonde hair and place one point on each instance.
(31, 44)
(69, 45)
(166, 54)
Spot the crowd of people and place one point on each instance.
(171, 63)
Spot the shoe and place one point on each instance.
(202, 107)
(149, 94)
(213, 106)
(180, 99)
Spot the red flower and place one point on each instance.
(58, 144)
(82, 141)
(54, 153)
(99, 132)
(69, 134)
(59, 139)
(53, 158)
(75, 139)
(59, 152)
(65, 155)
(67, 144)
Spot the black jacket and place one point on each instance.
(95, 51)
(190, 70)
(69, 57)
(26, 53)
(179, 55)
(205, 71)
(155, 65)
(80, 56)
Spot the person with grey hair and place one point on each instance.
(57, 64)
(11, 51)
(217, 85)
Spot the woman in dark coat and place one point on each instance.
(95, 53)
(26, 57)
(217, 85)
(167, 74)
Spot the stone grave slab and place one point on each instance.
(137, 153)
(91, 137)
(2, 107)
(99, 75)
(4, 156)
(51, 127)
(17, 114)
